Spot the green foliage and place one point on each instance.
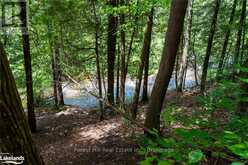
(202, 133)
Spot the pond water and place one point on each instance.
(74, 96)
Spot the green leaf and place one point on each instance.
(240, 149)
(195, 156)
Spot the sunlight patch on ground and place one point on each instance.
(97, 132)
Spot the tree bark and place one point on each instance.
(225, 44)
(27, 66)
(123, 59)
(111, 48)
(98, 68)
(239, 34)
(15, 135)
(147, 56)
(58, 74)
(144, 56)
(209, 47)
(186, 47)
(172, 40)
(118, 76)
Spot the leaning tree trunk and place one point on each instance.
(111, 44)
(144, 97)
(209, 47)
(145, 52)
(239, 34)
(15, 135)
(225, 44)
(172, 40)
(186, 46)
(28, 67)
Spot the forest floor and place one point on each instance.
(76, 136)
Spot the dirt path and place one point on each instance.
(77, 137)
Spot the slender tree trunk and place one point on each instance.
(209, 47)
(147, 56)
(98, 69)
(186, 47)
(111, 47)
(172, 40)
(144, 56)
(28, 67)
(55, 92)
(239, 35)
(58, 73)
(123, 58)
(15, 135)
(129, 52)
(118, 76)
(134, 31)
(195, 61)
(225, 44)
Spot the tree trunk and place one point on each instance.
(58, 74)
(55, 92)
(98, 69)
(209, 47)
(227, 35)
(111, 44)
(28, 67)
(186, 47)
(147, 55)
(239, 35)
(15, 135)
(172, 40)
(144, 56)
(118, 76)
(123, 58)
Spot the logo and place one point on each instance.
(7, 158)
(10, 16)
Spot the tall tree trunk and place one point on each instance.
(209, 47)
(134, 31)
(118, 76)
(123, 58)
(15, 134)
(186, 47)
(111, 44)
(144, 56)
(28, 67)
(172, 40)
(98, 69)
(55, 92)
(225, 44)
(58, 74)
(195, 62)
(147, 55)
(239, 34)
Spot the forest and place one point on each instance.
(123, 82)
